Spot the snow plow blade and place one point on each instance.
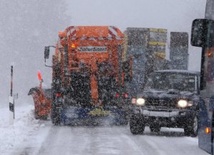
(42, 102)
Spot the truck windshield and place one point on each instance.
(166, 81)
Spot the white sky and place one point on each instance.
(174, 15)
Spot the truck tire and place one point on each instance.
(122, 119)
(155, 128)
(125, 122)
(36, 116)
(136, 124)
(191, 127)
(122, 122)
(55, 116)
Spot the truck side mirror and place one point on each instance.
(47, 52)
(202, 33)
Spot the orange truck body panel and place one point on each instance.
(90, 45)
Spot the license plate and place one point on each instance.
(99, 112)
(160, 113)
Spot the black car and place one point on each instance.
(170, 99)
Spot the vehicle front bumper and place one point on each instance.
(165, 117)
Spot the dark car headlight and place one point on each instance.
(184, 103)
(138, 101)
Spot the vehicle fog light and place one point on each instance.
(133, 100)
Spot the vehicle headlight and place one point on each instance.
(140, 101)
(184, 103)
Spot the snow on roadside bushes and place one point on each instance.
(13, 132)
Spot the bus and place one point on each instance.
(202, 35)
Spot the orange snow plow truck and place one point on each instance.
(89, 75)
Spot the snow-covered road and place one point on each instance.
(117, 140)
(27, 136)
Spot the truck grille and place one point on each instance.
(164, 103)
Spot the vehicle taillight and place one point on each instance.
(207, 130)
(73, 46)
(117, 95)
(58, 94)
(125, 95)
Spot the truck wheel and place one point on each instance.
(155, 128)
(45, 117)
(136, 125)
(36, 116)
(191, 127)
(55, 116)
(123, 120)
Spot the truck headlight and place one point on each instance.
(140, 101)
(184, 103)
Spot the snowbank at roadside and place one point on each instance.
(13, 132)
